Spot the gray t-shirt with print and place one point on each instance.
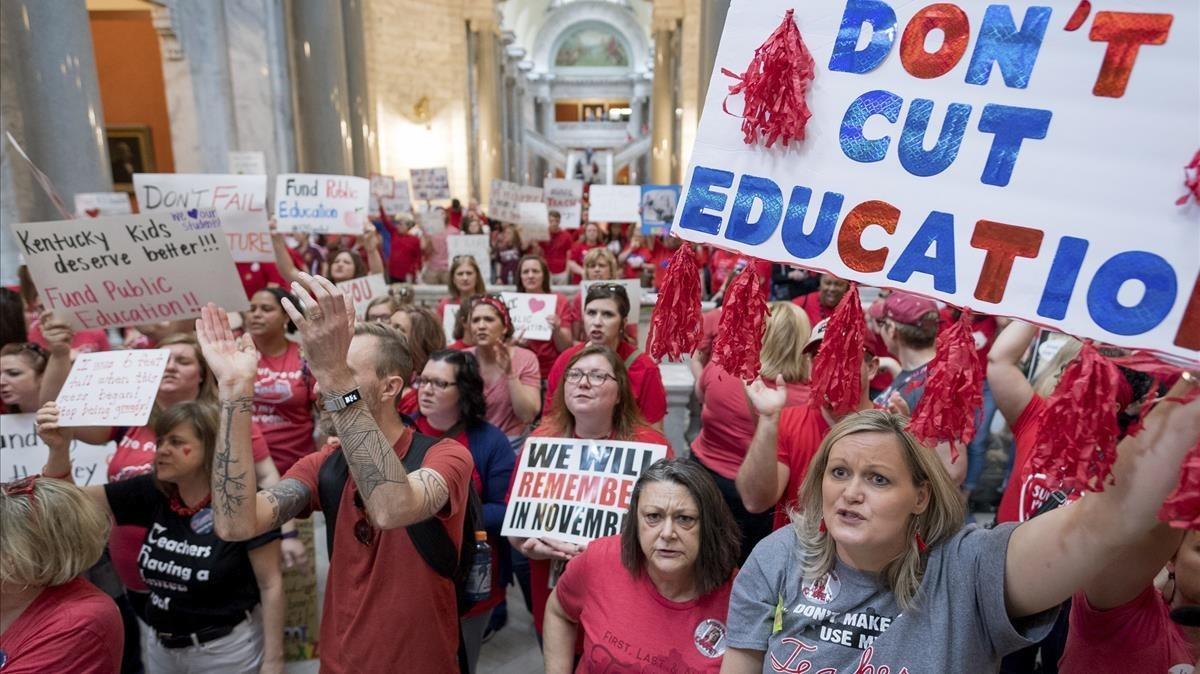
(846, 622)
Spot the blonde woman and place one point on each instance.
(728, 420)
(877, 571)
(51, 620)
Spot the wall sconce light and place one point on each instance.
(421, 112)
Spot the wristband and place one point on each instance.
(289, 534)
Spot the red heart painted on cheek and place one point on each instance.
(186, 450)
(536, 305)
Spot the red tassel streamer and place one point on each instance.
(738, 341)
(1191, 180)
(953, 393)
(675, 327)
(837, 371)
(774, 87)
(1078, 437)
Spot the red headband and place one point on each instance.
(500, 308)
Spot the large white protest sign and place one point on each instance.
(528, 194)
(659, 203)
(112, 388)
(533, 217)
(22, 453)
(1046, 188)
(475, 245)
(575, 490)
(363, 290)
(430, 183)
(566, 197)
(249, 162)
(529, 312)
(633, 289)
(96, 204)
(614, 203)
(503, 200)
(321, 204)
(242, 200)
(382, 185)
(398, 205)
(131, 269)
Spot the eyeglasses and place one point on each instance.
(363, 531)
(594, 377)
(437, 384)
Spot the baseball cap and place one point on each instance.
(818, 335)
(909, 309)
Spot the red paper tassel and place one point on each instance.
(953, 394)
(1191, 180)
(675, 326)
(775, 85)
(1078, 437)
(738, 341)
(837, 371)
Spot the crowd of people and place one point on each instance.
(786, 534)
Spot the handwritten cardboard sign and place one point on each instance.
(475, 245)
(529, 312)
(22, 453)
(575, 490)
(363, 290)
(1006, 165)
(249, 162)
(566, 197)
(112, 388)
(614, 203)
(382, 185)
(246, 234)
(658, 208)
(96, 204)
(131, 269)
(633, 288)
(534, 221)
(321, 204)
(430, 183)
(503, 200)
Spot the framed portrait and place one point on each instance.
(593, 112)
(130, 151)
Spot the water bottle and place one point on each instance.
(479, 580)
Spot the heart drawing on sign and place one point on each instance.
(536, 305)
(192, 213)
(93, 212)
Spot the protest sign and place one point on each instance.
(529, 312)
(658, 208)
(112, 388)
(248, 163)
(131, 269)
(575, 490)
(382, 185)
(1046, 189)
(528, 194)
(475, 245)
(432, 220)
(242, 200)
(22, 453)
(633, 288)
(566, 197)
(503, 200)
(430, 183)
(534, 221)
(449, 315)
(321, 204)
(614, 203)
(96, 204)
(42, 179)
(363, 290)
(248, 236)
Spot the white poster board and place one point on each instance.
(534, 221)
(449, 315)
(249, 162)
(503, 200)
(22, 453)
(96, 204)
(614, 203)
(430, 184)
(529, 312)
(633, 288)
(475, 245)
(112, 388)
(363, 290)
(131, 269)
(382, 185)
(602, 474)
(321, 204)
(566, 197)
(242, 200)
(1033, 176)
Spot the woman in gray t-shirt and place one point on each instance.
(876, 573)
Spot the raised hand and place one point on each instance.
(767, 401)
(58, 439)
(370, 237)
(325, 331)
(231, 360)
(896, 404)
(58, 334)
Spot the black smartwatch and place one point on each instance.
(340, 401)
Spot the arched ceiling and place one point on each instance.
(540, 26)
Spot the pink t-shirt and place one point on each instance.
(1137, 637)
(439, 253)
(283, 396)
(495, 391)
(547, 351)
(628, 626)
(728, 420)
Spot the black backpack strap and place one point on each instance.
(429, 537)
(331, 482)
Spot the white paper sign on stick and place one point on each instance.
(321, 204)
(112, 388)
(604, 472)
(430, 183)
(96, 204)
(382, 185)
(475, 245)
(503, 200)
(449, 316)
(363, 290)
(131, 269)
(534, 221)
(988, 173)
(529, 312)
(614, 203)
(22, 453)
(633, 289)
(248, 162)
(566, 197)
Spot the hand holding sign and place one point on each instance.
(57, 333)
(56, 437)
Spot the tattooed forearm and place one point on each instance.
(287, 499)
(373, 461)
(229, 488)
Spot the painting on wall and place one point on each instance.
(130, 151)
(592, 48)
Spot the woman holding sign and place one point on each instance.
(533, 276)
(661, 586)
(512, 383)
(345, 264)
(594, 402)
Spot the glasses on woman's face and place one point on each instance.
(437, 384)
(594, 377)
(363, 531)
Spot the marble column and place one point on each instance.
(318, 50)
(56, 114)
(712, 22)
(487, 83)
(256, 35)
(662, 122)
(362, 113)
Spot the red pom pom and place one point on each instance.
(837, 372)
(1191, 180)
(774, 87)
(739, 338)
(1078, 437)
(675, 326)
(953, 396)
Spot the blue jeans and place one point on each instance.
(977, 450)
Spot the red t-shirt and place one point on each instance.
(637, 258)
(546, 351)
(539, 569)
(556, 249)
(728, 420)
(710, 321)
(578, 251)
(404, 257)
(283, 396)
(722, 262)
(1137, 637)
(801, 430)
(811, 304)
(385, 605)
(627, 623)
(73, 627)
(660, 258)
(256, 276)
(644, 379)
(1026, 491)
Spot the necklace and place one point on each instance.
(178, 507)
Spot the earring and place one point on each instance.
(822, 527)
(921, 546)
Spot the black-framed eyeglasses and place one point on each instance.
(363, 531)
(437, 384)
(594, 377)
